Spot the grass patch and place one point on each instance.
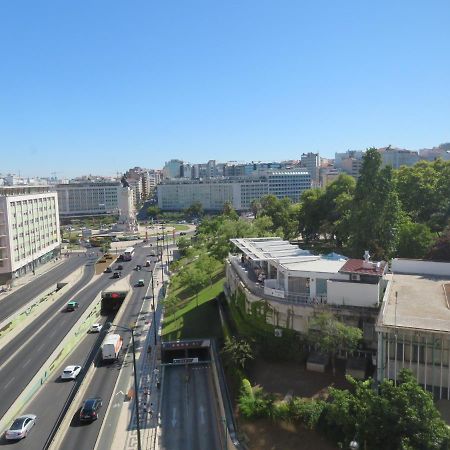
(178, 226)
(197, 317)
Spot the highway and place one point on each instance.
(80, 436)
(188, 412)
(23, 356)
(12, 302)
(49, 401)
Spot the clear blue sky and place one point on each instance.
(98, 86)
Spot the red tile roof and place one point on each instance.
(361, 267)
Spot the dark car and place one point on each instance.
(108, 270)
(116, 275)
(90, 408)
(119, 267)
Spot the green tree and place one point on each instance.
(154, 212)
(440, 249)
(194, 279)
(280, 212)
(183, 245)
(376, 211)
(311, 214)
(401, 416)
(255, 206)
(330, 335)
(195, 210)
(229, 211)
(238, 351)
(415, 240)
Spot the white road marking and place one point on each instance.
(28, 362)
(8, 383)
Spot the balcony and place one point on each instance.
(268, 292)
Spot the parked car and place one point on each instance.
(90, 408)
(21, 427)
(96, 328)
(119, 267)
(70, 372)
(116, 275)
(108, 270)
(182, 233)
(147, 263)
(72, 306)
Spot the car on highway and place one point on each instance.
(119, 267)
(140, 283)
(108, 270)
(21, 427)
(96, 328)
(70, 372)
(116, 275)
(72, 306)
(90, 408)
(147, 263)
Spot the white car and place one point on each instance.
(21, 427)
(70, 372)
(96, 328)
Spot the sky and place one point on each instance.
(97, 87)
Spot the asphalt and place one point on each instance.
(20, 297)
(22, 363)
(84, 437)
(188, 413)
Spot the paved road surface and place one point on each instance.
(84, 436)
(188, 414)
(12, 302)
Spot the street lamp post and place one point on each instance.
(136, 403)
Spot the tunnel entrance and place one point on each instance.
(112, 300)
(185, 352)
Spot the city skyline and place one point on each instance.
(110, 86)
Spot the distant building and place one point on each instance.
(311, 161)
(431, 154)
(172, 168)
(214, 192)
(88, 198)
(29, 229)
(397, 157)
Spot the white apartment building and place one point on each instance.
(397, 157)
(414, 325)
(213, 193)
(311, 161)
(29, 229)
(88, 198)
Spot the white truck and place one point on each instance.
(111, 347)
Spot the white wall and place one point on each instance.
(352, 294)
(418, 266)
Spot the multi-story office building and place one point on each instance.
(29, 229)
(172, 168)
(397, 157)
(213, 193)
(311, 162)
(89, 198)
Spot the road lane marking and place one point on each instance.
(28, 362)
(174, 417)
(202, 414)
(8, 383)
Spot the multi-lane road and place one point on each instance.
(19, 298)
(24, 355)
(188, 414)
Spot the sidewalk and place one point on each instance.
(19, 282)
(123, 407)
